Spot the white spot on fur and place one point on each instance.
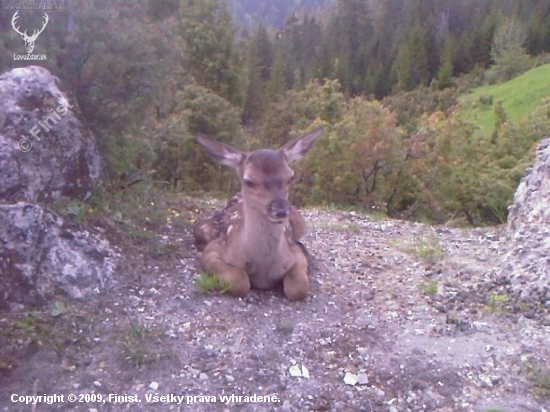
(229, 229)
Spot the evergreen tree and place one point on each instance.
(255, 92)
(445, 73)
(353, 32)
(508, 51)
(264, 50)
(276, 85)
(210, 53)
(324, 68)
(411, 64)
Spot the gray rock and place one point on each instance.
(527, 259)
(45, 150)
(40, 256)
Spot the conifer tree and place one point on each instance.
(210, 53)
(508, 51)
(276, 85)
(255, 92)
(445, 72)
(411, 64)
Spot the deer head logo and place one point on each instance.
(29, 40)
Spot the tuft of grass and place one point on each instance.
(430, 288)
(497, 303)
(426, 248)
(210, 283)
(142, 344)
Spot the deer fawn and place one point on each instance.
(253, 242)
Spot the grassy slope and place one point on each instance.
(519, 97)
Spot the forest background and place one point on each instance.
(401, 87)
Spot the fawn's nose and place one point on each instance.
(279, 209)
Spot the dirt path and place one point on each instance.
(405, 311)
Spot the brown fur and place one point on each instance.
(253, 241)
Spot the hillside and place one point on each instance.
(519, 97)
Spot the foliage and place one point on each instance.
(411, 63)
(378, 47)
(464, 173)
(508, 51)
(353, 162)
(180, 161)
(317, 102)
(383, 77)
(446, 69)
(248, 13)
(411, 106)
(211, 55)
(519, 96)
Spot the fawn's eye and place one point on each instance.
(249, 183)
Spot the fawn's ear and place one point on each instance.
(297, 148)
(222, 152)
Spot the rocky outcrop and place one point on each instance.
(45, 153)
(45, 150)
(41, 256)
(527, 260)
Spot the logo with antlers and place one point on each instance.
(29, 40)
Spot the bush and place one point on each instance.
(356, 161)
(484, 100)
(180, 160)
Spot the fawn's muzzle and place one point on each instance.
(278, 210)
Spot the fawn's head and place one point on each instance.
(265, 174)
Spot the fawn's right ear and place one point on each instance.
(222, 152)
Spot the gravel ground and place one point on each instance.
(401, 317)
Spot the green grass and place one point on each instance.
(211, 284)
(144, 344)
(519, 97)
(497, 303)
(430, 288)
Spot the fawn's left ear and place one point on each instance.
(297, 148)
(221, 152)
